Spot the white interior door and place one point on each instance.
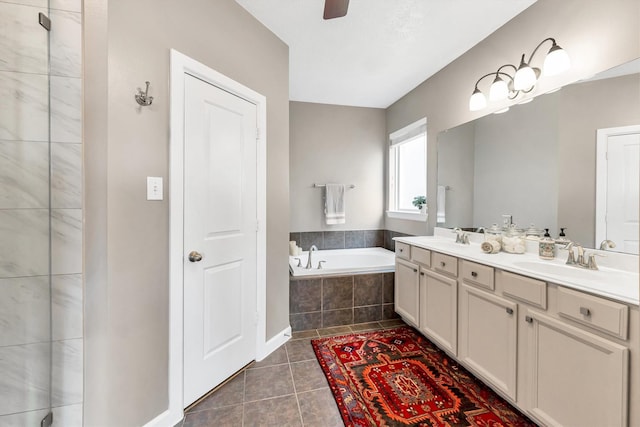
(220, 226)
(620, 201)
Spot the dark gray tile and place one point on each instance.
(308, 375)
(392, 323)
(300, 350)
(367, 289)
(313, 333)
(374, 238)
(232, 393)
(228, 416)
(295, 237)
(336, 330)
(311, 238)
(388, 312)
(305, 321)
(264, 383)
(333, 240)
(369, 326)
(354, 239)
(305, 295)
(388, 281)
(278, 412)
(278, 357)
(337, 317)
(337, 292)
(371, 313)
(388, 240)
(319, 409)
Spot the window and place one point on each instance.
(407, 170)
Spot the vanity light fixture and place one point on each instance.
(524, 79)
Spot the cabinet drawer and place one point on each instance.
(607, 316)
(445, 263)
(477, 274)
(403, 250)
(523, 288)
(422, 256)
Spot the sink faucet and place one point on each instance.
(607, 244)
(461, 236)
(580, 262)
(311, 249)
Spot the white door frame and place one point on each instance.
(602, 173)
(181, 65)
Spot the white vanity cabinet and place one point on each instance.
(407, 291)
(488, 337)
(439, 302)
(575, 378)
(562, 356)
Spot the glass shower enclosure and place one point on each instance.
(25, 215)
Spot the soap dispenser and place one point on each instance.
(547, 246)
(562, 238)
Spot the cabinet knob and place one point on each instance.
(528, 319)
(422, 273)
(585, 311)
(442, 263)
(401, 250)
(415, 270)
(509, 310)
(474, 274)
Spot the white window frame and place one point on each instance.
(396, 139)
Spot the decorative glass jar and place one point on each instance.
(513, 240)
(493, 233)
(534, 233)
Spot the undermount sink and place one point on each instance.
(571, 271)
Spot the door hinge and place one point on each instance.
(257, 134)
(44, 21)
(257, 226)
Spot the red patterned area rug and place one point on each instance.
(396, 377)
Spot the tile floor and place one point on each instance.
(288, 388)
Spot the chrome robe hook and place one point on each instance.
(143, 98)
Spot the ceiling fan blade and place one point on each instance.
(335, 8)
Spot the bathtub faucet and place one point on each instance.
(311, 249)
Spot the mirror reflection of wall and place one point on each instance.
(536, 162)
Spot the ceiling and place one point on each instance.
(382, 49)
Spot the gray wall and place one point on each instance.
(597, 35)
(331, 143)
(126, 309)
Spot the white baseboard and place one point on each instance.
(274, 343)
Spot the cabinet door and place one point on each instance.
(407, 291)
(439, 309)
(576, 378)
(488, 337)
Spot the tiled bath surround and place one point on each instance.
(323, 302)
(348, 239)
(29, 186)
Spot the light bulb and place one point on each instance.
(477, 100)
(524, 79)
(499, 90)
(556, 61)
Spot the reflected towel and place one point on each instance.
(334, 204)
(440, 203)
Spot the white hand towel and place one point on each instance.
(334, 204)
(440, 203)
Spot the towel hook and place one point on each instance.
(143, 98)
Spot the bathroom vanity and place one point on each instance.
(559, 342)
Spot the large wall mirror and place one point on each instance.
(537, 162)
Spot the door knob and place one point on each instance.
(194, 256)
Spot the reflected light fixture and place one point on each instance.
(524, 78)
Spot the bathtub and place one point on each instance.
(344, 261)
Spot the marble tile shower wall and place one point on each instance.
(28, 183)
(348, 239)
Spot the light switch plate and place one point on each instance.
(154, 188)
